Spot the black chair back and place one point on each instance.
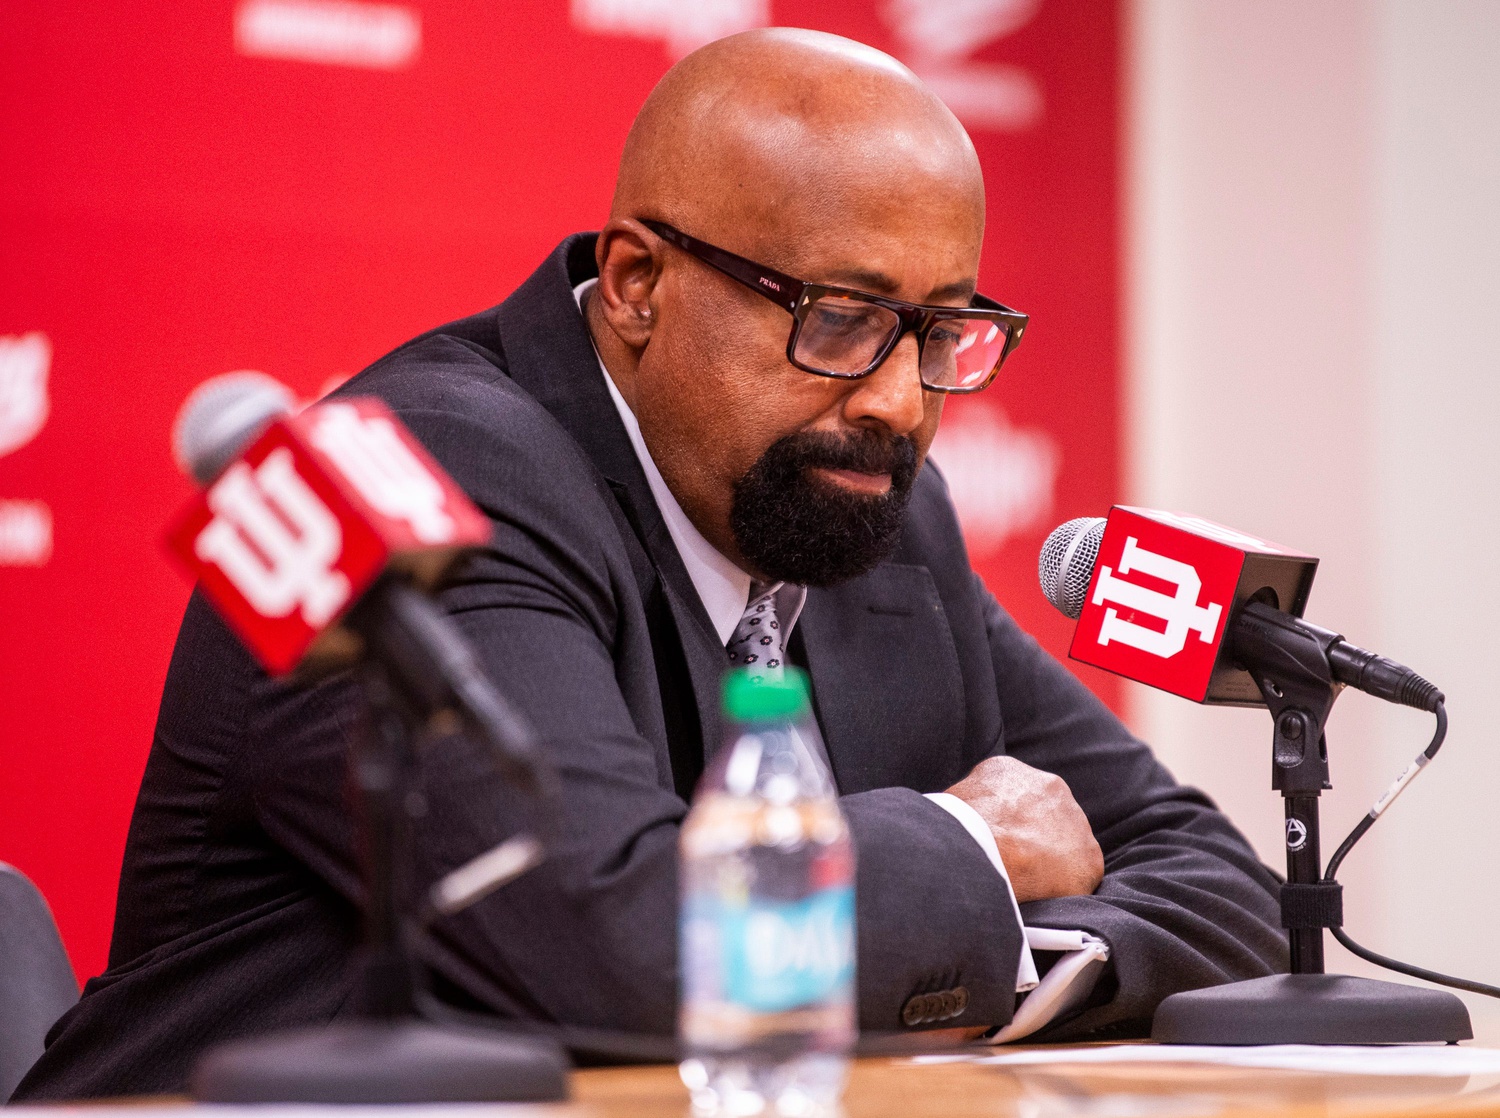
(36, 980)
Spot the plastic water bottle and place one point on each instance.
(767, 922)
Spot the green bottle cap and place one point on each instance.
(749, 697)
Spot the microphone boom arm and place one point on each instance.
(435, 668)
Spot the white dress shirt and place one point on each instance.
(725, 592)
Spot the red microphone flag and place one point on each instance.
(1164, 590)
(288, 537)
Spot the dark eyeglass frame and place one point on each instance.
(797, 297)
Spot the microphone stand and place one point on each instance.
(1290, 665)
(384, 1053)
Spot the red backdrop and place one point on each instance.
(296, 186)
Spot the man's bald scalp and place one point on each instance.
(749, 128)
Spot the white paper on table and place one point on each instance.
(1070, 980)
(1405, 1060)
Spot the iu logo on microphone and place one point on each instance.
(275, 541)
(278, 546)
(1178, 610)
(373, 457)
(290, 536)
(1159, 603)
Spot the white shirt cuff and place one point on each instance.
(971, 821)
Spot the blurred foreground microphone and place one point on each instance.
(318, 533)
(1192, 607)
(316, 538)
(221, 417)
(303, 512)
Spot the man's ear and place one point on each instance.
(629, 258)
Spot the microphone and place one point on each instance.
(1198, 609)
(317, 538)
(304, 512)
(1215, 615)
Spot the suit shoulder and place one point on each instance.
(500, 445)
(437, 372)
(447, 381)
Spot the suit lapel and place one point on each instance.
(549, 353)
(886, 681)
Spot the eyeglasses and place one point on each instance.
(840, 332)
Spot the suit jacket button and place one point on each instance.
(915, 1011)
(960, 1000)
(947, 1006)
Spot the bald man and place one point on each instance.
(721, 404)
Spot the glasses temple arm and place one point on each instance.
(781, 289)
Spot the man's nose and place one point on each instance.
(892, 395)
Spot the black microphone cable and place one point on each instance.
(1360, 829)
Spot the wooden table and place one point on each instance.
(898, 1088)
(902, 1088)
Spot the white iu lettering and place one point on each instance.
(372, 455)
(1180, 611)
(276, 541)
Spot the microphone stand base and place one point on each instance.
(1311, 1009)
(401, 1060)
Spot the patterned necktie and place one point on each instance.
(756, 643)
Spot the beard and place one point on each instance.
(795, 527)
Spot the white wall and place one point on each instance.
(1313, 286)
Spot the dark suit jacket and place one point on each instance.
(239, 894)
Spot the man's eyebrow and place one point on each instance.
(881, 284)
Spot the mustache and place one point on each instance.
(865, 451)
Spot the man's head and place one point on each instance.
(828, 161)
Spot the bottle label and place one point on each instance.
(778, 955)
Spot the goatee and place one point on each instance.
(794, 526)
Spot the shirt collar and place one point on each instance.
(723, 588)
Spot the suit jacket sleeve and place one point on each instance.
(1184, 903)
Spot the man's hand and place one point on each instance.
(1043, 835)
